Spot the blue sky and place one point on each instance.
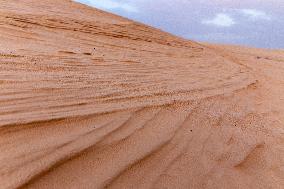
(258, 23)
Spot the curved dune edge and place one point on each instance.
(144, 110)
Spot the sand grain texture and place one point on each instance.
(144, 110)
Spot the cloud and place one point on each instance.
(110, 5)
(221, 20)
(255, 14)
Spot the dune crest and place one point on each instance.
(144, 109)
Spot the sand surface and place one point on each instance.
(145, 109)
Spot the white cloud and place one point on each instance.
(221, 20)
(255, 14)
(110, 5)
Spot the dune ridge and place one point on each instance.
(145, 109)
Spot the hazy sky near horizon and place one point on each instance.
(258, 23)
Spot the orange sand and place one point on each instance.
(144, 110)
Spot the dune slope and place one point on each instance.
(93, 100)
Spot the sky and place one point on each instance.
(256, 23)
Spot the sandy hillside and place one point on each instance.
(145, 109)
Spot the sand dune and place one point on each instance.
(145, 109)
